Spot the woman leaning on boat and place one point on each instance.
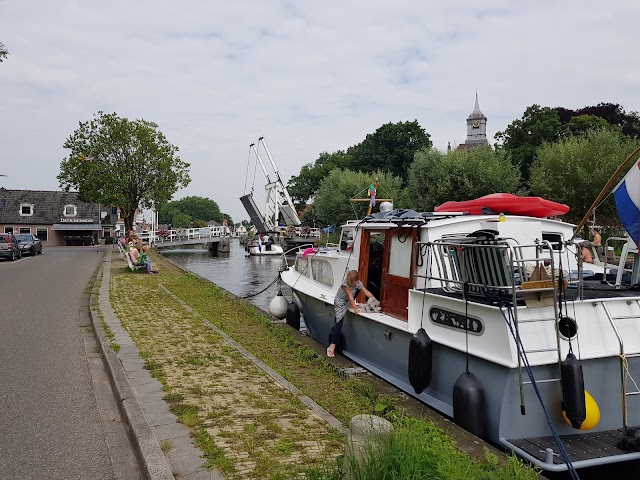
(345, 297)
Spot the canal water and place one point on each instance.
(237, 272)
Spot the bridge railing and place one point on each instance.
(303, 231)
(168, 236)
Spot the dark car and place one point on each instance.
(9, 247)
(29, 243)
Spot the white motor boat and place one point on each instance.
(258, 248)
(494, 321)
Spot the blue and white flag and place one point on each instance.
(627, 195)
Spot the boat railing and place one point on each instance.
(486, 266)
(629, 249)
(296, 249)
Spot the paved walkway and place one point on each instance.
(165, 446)
(58, 416)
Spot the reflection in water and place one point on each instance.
(235, 271)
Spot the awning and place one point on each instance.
(77, 226)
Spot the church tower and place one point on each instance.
(476, 129)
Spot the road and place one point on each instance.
(58, 417)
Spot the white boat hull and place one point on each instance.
(263, 251)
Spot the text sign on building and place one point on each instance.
(76, 220)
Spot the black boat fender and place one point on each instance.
(293, 315)
(420, 360)
(573, 396)
(469, 404)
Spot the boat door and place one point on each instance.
(390, 249)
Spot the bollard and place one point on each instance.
(366, 434)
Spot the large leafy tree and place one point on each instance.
(390, 148)
(575, 169)
(436, 177)
(522, 137)
(333, 205)
(3, 52)
(122, 162)
(196, 208)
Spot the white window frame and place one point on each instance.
(20, 230)
(41, 229)
(22, 205)
(75, 210)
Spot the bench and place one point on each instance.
(133, 266)
(121, 250)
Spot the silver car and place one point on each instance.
(9, 247)
(29, 243)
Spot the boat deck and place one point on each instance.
(587, 446)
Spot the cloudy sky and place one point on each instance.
(309, 76)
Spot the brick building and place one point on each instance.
(57, 218)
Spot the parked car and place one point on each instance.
(29, 243)
(9, 247)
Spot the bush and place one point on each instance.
(108, 240)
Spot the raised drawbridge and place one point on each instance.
(277, 203)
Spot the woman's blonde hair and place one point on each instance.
(353, 276)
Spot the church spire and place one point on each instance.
(477, 107)
(476, 128)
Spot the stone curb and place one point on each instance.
(146, 447)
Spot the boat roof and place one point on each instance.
(415, 218)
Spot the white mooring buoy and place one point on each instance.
(278, 306)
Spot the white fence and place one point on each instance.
(168, 236)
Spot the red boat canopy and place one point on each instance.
(507, 203)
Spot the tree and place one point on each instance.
(522, 137)
(581, 124)
(436, 177)
(303, 187)
(180, 220)
(390, 149)
(120, 162)
(3, 52)
(612, 113)
(575, 169)
(197, 208)
(332, 202)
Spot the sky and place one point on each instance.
(309, 76)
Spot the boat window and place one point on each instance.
(346, 241)
(302, 266)
(322, 272)
(400, 257)
(554, 238)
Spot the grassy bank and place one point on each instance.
(247, 425)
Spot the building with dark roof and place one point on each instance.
(57, 218)
(476, 129)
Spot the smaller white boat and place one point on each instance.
(259, 248)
